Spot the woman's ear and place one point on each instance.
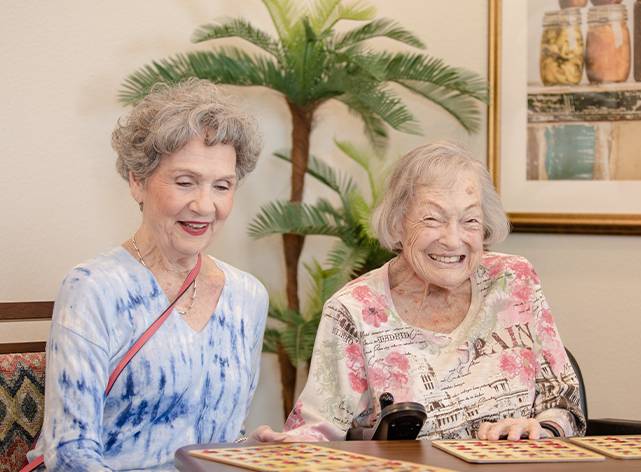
(137, 188)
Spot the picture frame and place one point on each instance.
(551, 206)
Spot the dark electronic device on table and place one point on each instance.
(398, 421)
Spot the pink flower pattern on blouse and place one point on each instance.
(375, 307)
(356, 368)
(521, 362)
(391, 375)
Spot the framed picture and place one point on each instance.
(564, 124)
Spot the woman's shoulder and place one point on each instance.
(95, 289)
(371, 285)
(497, 264)
(101, 268)
(240, 280)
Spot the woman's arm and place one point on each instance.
(259, 306)
(336, 389)
(77, 372)
(75, 383)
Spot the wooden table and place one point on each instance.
(420, 452)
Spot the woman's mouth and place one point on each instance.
(194, 228)
(447, 259)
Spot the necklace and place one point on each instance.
(193, 294)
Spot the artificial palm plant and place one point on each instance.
(355, 252)
(309, 63)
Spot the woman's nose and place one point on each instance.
(203, 202)
(451, 236)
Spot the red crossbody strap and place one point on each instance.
(144, 337)
(133, 350)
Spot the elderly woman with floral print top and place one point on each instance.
(465, 332)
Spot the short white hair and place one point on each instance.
(438, 162)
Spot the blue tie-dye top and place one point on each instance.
(182, 387)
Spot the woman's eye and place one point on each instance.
(183, 183)
(473, 223)
(222, 187)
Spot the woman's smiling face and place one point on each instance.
(442, 232)
(188, 197)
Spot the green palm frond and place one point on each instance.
(323, 13)
(284, 217)
(239, 28)
(376, 108)
(337, 181)
(462, 107)
(362, 66)
(271, 339)
(225, 66)
(311, 68)
(285, 316)
(388, 107)
(418, 67)
(359, 209)
(373, 126)
(362, 158)
(325, 283)
(326, 13)
(298, 341)
(295, 333)
(347, 260)
(381, 27)
(285, 15)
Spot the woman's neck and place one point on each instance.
(403, 280)
(425, 305)
(151, 254)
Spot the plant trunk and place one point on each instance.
(293, 243)
(287, 380)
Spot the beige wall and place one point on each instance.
(62, 202)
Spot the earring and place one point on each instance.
(140, 205)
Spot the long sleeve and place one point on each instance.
(336, 389)
(259, 307)
(77, 372)
(557, 399)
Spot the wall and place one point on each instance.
(63, 203)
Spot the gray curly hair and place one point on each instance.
(437, 162)
(171, 115)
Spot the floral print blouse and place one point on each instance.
(504, 360)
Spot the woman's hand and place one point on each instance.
(265, 434)
(513, 428)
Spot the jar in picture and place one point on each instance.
(572, 3)
(607, 49)
(561, 59)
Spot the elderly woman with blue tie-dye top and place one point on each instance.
(183, 150)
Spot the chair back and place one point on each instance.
(579, 376)
(22, 386)
(22, 399)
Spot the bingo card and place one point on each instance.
(544, 450)
(302, 457)
(618, 447)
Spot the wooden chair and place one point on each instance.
(22, 381)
